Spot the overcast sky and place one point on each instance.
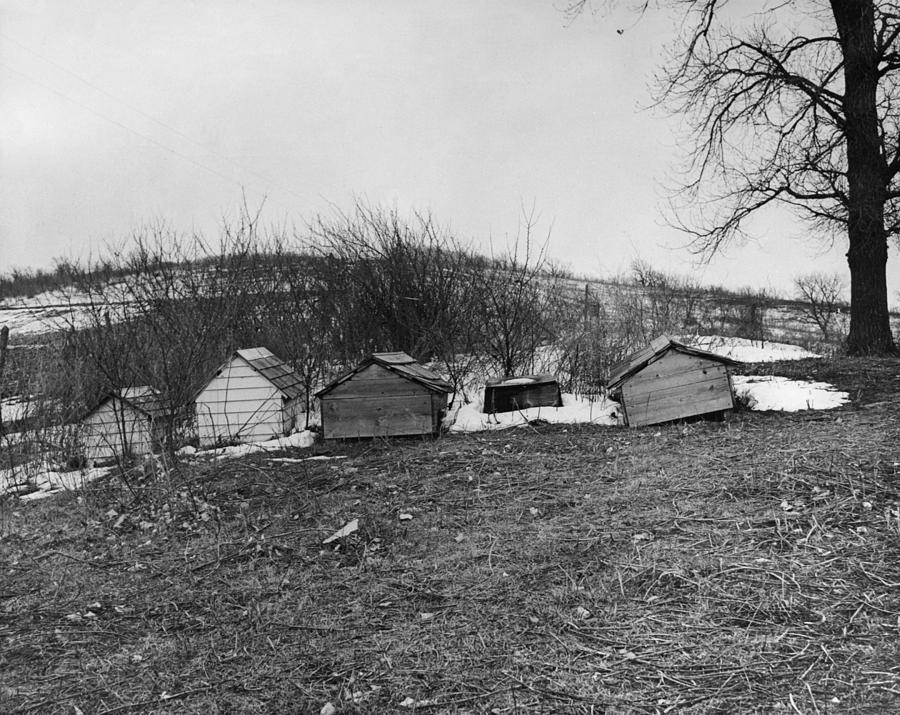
(117, 114)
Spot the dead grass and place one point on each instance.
(750, 566)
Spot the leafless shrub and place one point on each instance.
(27, 282)
(754, 306)
(389, 283)
(650, 303)
(588, 352)
(520, 303)
(297, 325)
(822, 297)
(41, 392)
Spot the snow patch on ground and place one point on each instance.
(15, 409)
(31, 482)
(745, 350)
(46, 312)
(575, 410)
(316, 458)
(772, 392)
(301, 440)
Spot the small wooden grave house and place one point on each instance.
(126, 423)
(519, 393)
(253, 396)
(386, 395)
(668, 380)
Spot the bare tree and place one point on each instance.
(662, 303)
(390, 283)
(795, 104)
(518, 302)
(822, 294)
(297, 326)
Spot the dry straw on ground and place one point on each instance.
(745, 566)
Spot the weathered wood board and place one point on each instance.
(395, 415)
(675, 387)
(386, 395)
(375, 381)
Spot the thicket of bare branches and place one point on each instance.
(658, 303)
(642, 305)
(822, 295)
(176, 309)
(391, 283)
(520, 304)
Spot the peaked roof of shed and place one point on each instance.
(143, 398)
(637, 361)
(401, 364)
(273, 368)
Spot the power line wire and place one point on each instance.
(143, 114)
(102, 91)
(119, 124)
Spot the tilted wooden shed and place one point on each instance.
(253, 396)
(387, 394)
(669, 380)
(519, 393)
(126, 423)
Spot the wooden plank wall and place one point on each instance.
(239, 404)
(674, 387)
(102, 435)
(377, 403)
(508, 398)
(376, 381)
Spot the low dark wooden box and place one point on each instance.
(519, 393)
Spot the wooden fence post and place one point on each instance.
(4, 339)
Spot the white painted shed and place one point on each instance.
(128, 423)
(253, 396)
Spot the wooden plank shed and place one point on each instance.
(126, 423)
(519, 393)
(253, 396)
(387, 394)
(669, 380)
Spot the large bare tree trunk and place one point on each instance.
(870, 329)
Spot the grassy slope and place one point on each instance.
(728, 567)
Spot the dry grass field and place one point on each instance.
(745, 566)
